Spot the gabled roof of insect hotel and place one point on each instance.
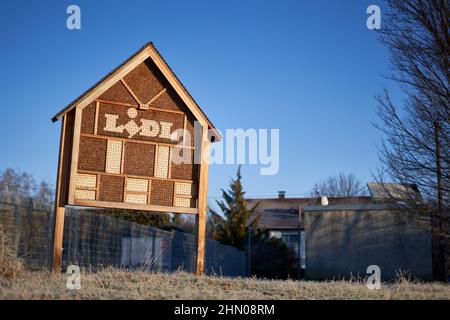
(148, 51)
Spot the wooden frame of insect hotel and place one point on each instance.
(136, 140)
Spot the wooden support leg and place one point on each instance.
(202, 203)
(58, 239)
(201, 228)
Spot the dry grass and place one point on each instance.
(112, 284)
(10, 266)
(17, 283)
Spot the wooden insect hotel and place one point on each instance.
(136, 140)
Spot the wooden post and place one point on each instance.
(59, 208)
(75, 147)
(200, 259)
(202, 202)
(58, 239)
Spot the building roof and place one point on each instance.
(147, 51)
(394, 191)
(270, 219)
(282, 213)
(349, 207)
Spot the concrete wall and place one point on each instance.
(344, 240)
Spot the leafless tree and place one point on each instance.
(342, 185)
(22, 187)
(44, 195)
(415, 150)
(18, 183)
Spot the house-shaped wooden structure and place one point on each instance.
(135, 140)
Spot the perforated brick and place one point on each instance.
(86, 181)
(88, 119)
(136, 198)
(162, 162)
(136, 185)
(113, 156)
(92, 154)
(111, 188)
(143, 81)
(162, 193)
(139, 159)
(183, 188)
(183, 171)
(85, 194)
(182, 202)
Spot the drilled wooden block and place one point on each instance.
(88, 119)
(119, 93)
(182, 202)
(145, 81)
(183, 189)
(136, 198)
(136, 185)
(139, 159)
(169, 100)
(85, 194)
(92, 154)
(113, 156)
(190, 127)
(162, 192)
(111, 188)
(162, 162)
(185, 202)
(86, 181)
(184, 171)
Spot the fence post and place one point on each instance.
(154, 255)
(130, 230)
(28, 227)
(48, 237)
(299, 248)
(17, 227)
(249, 254)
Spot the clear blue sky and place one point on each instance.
(309, 68)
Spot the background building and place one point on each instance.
(343, 238)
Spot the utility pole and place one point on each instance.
(437, 131)
(299, 256)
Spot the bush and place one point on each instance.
(10, 266)
(272, 259)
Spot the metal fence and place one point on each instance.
(30, 230)
(93, 241)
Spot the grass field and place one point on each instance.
(18, 283)
(111, 284)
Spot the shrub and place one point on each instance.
(272, 259)
(10, 266)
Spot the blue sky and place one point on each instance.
(309, 68)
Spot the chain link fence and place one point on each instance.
(94, 241)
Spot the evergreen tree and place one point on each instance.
(231, 227)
